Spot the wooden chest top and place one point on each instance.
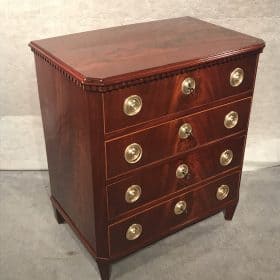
(118, 54)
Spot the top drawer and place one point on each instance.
(161, 97)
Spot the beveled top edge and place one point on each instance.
(109, 83)
(99, 85)
(57, 63)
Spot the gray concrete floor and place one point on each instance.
(34, 246)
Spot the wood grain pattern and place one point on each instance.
(98, 168)
(163, 141)
(161, 179)
(114, 55)
(161, 218)
(172, 116)
(165, 96)
(83, 80)
(65, 121)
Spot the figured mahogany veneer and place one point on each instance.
(161, 180)
(207, 126)
(162, 97)
(112, 58)
(160, 219)
(83, 82)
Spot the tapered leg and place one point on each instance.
(104, 269)
(58, 217)
(229, 211)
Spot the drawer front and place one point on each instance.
(171, 138)
(161, 219)
(155, 182)
(164, 96)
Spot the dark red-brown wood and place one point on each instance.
(83, 80)
(98, 167)
(116, 54)
(170, 117)
(164, 97)
(161, 180)
(104, 269)
(59, 218)
(163, 141)
(159, 220)
(229, 212)
(65, 117)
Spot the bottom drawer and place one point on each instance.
(150, 225)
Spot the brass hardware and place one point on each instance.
(236, 77)
(133, 153)
(132, 105)
(133, 232)
(182, 171)
(231, 119)
(222, 192)
(133, 193)
(226, 157)
(188, 86)
(180, 207)
(185, 131)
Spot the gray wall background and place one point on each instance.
(21, 135)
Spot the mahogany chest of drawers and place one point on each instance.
(145, 128)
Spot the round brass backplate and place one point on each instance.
(132, 194)
(132, 105)
(180, 207)
(231, 119)
(133, 232)
(185, 131)
(226, 157)
(222, 192)
(236, 77)
(188, 86)
(133, 153)
(182, 171)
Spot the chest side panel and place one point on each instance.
(66, 127)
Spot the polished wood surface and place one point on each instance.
(165, 96)
(64, 107)
(163, 141)
(98, 169)
(161, 180)
(116, 54)
(161, 219)
(83, 80)
(172, 116)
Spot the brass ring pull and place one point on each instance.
(188, 86)
(222, 192)
(185, 131)
(133, 232)
(132, 105)
(236, 77)
(180, 207)
(231, 119)
(226, 157)
(133, 153)
(182, 171)
(133, 193)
